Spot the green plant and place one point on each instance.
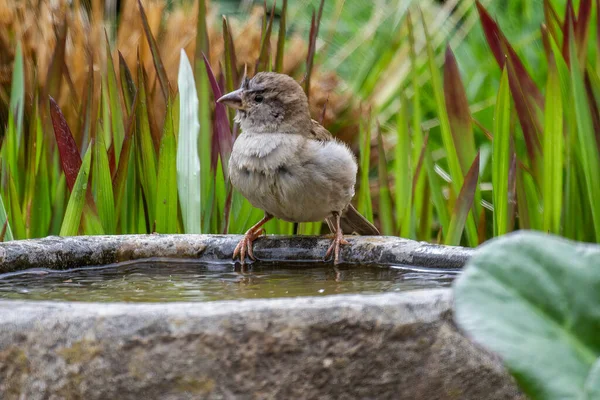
(432, 165)
(533, 299)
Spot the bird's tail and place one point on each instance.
(353, 222)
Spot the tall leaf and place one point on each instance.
(459, 114)
(501, 157)
(586, 139)
(102, 186)
(72, 219)
(166, 196)
(188, 162)
(463, 204)
(553, 143)
(158, 64)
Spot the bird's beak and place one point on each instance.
(233, 99)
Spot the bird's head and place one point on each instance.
(270, 103)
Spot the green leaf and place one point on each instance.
(501, 156)
(463, 204)
(386, 217)
(16, 215)
(166, 196)
(17, 93)
(588, 146)
(72, 219)
(533, 298)
(403, 172)
(102, 186)
(158, 64)
(553, 150)
(188, 162)
(145, 153)
(365, 206)
(116, 112)
(451, 154)
(435, 187)
(4, 221)
(281, 39)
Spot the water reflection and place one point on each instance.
(167, 281)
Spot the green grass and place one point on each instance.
(457, 142)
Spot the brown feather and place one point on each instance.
(319, 133)
(354, 222)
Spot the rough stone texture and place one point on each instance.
(80, 251)
(390, 346)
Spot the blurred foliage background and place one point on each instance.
(469, 119)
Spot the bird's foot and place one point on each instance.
(336, 243)
(245, 245)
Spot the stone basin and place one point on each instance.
(384, 346)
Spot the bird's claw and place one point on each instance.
(245, 246)
(334, 248)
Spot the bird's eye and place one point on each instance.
(259, 98)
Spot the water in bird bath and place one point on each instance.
(161, 281)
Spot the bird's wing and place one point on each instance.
(319, 133)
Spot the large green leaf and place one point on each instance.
(533, 298)
(188, 162)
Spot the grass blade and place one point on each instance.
(158, 64)
(464, 203)
(16, 215)
(386, 217)
(231, 73)
(67, 148)
(501, 157)
(166, 196)
(449, 147)
(435, 187)
(459, 114)
(553, 150)
(102, 185)
(145, 153)
(365, 206)
(402, 172)
(501, 48)
(116, 112)
(188, 162)
(17, 94)
(264, 58)
(127, 84)
(281, 39)
(72, 219)
(312, 47)
(586, 138)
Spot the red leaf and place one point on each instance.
(553, 22)
(69, 153)
(417, 173)
(502, 49)
(264, 56)
(593, 107)
(158, 64)
(55, 70)
(4, 228)
(568, 23)
(458, 112)
(581, 28)
(464, 201)
(527, 116)
(221, 130)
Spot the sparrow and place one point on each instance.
(288, 165)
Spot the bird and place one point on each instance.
(288, 165)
